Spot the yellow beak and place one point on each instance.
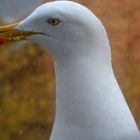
(10, 33)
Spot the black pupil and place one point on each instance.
(53, 21)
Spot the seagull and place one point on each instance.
(89, 102)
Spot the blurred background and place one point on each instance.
(27, 81)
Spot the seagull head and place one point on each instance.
(60, 27)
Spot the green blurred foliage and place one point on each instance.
(27, 88)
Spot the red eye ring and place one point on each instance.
(53, 21)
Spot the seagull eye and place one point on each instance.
(53, 21)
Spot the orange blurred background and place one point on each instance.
(27, 81)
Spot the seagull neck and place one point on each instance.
(78, 79)
(89, 98)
